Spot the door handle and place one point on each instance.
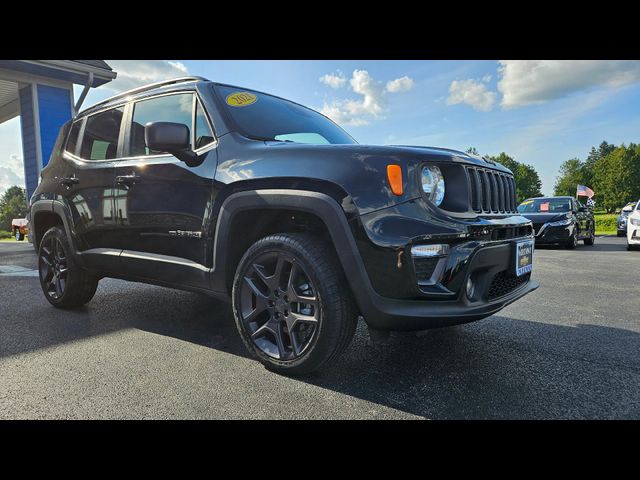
(68, 181)
(128, 179)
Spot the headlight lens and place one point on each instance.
(560, 223)
(634, 221)
(433, 184)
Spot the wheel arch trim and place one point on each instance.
(319, 204)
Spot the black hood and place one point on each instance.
(539, 218)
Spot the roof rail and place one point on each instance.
(149, 87)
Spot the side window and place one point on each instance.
(72, 140)
(101, 133)
(170, 108)
(203, 134)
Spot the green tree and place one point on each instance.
(595, 154)
(572, 174)
(13, 204)
(617, 176)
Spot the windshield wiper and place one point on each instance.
(266, 139)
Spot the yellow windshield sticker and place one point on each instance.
(527, 202)
(241, 99)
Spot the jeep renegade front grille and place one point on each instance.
(491, 191)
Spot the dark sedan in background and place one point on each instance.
(559, 220)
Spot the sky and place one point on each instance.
(540, 112)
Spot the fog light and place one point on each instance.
(429, 250)
(471, 288)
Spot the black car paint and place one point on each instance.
(156, 220)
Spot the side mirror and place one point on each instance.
(172, 138)
(583, 209)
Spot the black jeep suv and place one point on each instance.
(213, 188)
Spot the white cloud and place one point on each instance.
(11, 173)
(371, 104)
(334, 80)
(402, 84)
(472, 93)
(358, 112)
(487, 78)
(134, 73)
(525, 82)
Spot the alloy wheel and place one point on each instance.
(53, 267)
(279, 306)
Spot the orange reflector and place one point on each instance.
(394, 174)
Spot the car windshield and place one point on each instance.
(545, 205)
(264, 117)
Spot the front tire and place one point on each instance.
(291, 303)
(591, 239)
(572, 243)
(64, 283)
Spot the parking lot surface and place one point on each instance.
(571, 349)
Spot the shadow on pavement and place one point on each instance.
(496, 368)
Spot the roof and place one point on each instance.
(95, 63)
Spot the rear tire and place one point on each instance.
(64, 282)
(273, 278)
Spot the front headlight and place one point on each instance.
(433, 184)
(635, 221)
(561, 223)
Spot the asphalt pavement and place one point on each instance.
(569, 350)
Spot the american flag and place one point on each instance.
(584, 192)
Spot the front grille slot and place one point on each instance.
(491, 192)
(504, 283)
(510, 232)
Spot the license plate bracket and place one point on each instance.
(524, 257)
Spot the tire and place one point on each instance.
(64, 283)
(621, 234)
(591, 239)
(572, 243)
(630, 247)
(322, 329)
(19, 236)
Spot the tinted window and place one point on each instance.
(72, 141)
(100, 139)
(170, 108)
(204, 135)
(545, 205)
(266, 117)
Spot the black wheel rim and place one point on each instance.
(53, 268)
(279, 306)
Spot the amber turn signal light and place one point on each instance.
(394, 174)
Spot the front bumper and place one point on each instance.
(633, 235)
(551, 235)
(487, 265)
(403, 297)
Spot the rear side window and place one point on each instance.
(170, 108)
(72, 140)
(101, 133)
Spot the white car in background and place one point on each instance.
(633, 228)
